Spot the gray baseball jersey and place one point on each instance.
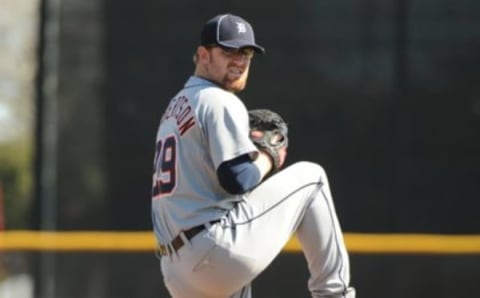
(202, 127)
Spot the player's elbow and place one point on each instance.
(231, 185)
(239, 175)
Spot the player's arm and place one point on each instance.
(239, 175)
(264, 163)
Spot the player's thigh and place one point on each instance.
(264, 222)
(281, 200)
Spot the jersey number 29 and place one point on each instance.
(164, 171)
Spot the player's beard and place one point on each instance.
(235, 82)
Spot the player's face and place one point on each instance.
(229, 67)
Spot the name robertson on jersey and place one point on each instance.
(180, 110)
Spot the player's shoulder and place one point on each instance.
(208, 92)
(219, 100)
(216, 95)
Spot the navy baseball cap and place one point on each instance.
(229, 31)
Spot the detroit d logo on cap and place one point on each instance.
(241, 27)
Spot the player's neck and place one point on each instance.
(201, 74)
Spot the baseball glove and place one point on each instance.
(269, 132)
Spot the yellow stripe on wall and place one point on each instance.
(144, 241)
(405, 244)
(77, 241)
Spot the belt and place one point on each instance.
(177, 242)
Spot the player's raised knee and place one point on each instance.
(308, 169)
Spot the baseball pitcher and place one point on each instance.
(222, 205)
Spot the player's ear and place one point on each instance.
(203, 54)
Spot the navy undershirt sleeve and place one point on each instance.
(239, 175)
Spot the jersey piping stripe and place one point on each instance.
(273, 206)
(339, 253)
